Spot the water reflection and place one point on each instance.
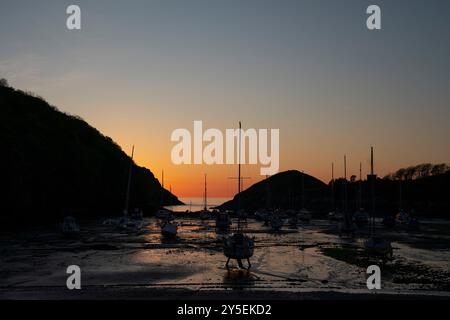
(311, 257)
(238, 279)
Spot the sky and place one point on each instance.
(137, 70)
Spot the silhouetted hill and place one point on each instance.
(426, 195)
(283, 190)
(55, 164)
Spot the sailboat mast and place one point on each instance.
(205, 201)
(345, 184)
(372, 188)
(303, 189)
(360, 186)
(267, 192)
(239, 167)
(332, 186)
(130, 170)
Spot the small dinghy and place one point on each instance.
(346, 228)
(293, 221)
(361, 218)
(304, 215)
(169, 229)
(163, 214)
(276, 223)
(377, 246)
(70, 228)
(137, 214)
(204, 215)
(413, 224)
(389, 221)
(335, 216)
(262, 215)
(126, 223)
(403, 219)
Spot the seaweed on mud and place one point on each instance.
(398, 270)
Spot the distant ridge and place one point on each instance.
(55, 164)
(283, 190)
(426, 195)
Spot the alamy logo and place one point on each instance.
(257, 142)
(74, 280)
(73, 21)
(374, 280)
(374, 20)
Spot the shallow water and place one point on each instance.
(311, 257)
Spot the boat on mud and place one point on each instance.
(346, 226)
(70, 227)
(239, 246)
(223, 221)
(378, 247)
(405, 220)
(276, 223)
(293, 221)
(335, 216)
(389, 220)
(361, 218)
(169, 229)
(204, 214)
(163, 214)
(304, 215)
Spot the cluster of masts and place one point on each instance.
(238, 245)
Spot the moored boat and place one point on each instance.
(361, 218)
(169, 229)
(70, 227)
(276, 223)
(223, 221)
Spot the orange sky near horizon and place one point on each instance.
(311, 69)
(188, 180)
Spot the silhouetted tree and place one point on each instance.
(55, 164)
(4, 82)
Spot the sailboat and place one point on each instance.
(361, 217)
(223, 221)
(389, 219)
(275, 221)
(304, 215)
(293, 221)
(125, 222)
(70, 228)
(204, 214)
(376, 245)
(265, 213)
(346, 226)
(238, 246)
(403, 218)
(168, 228)
(333, 214)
